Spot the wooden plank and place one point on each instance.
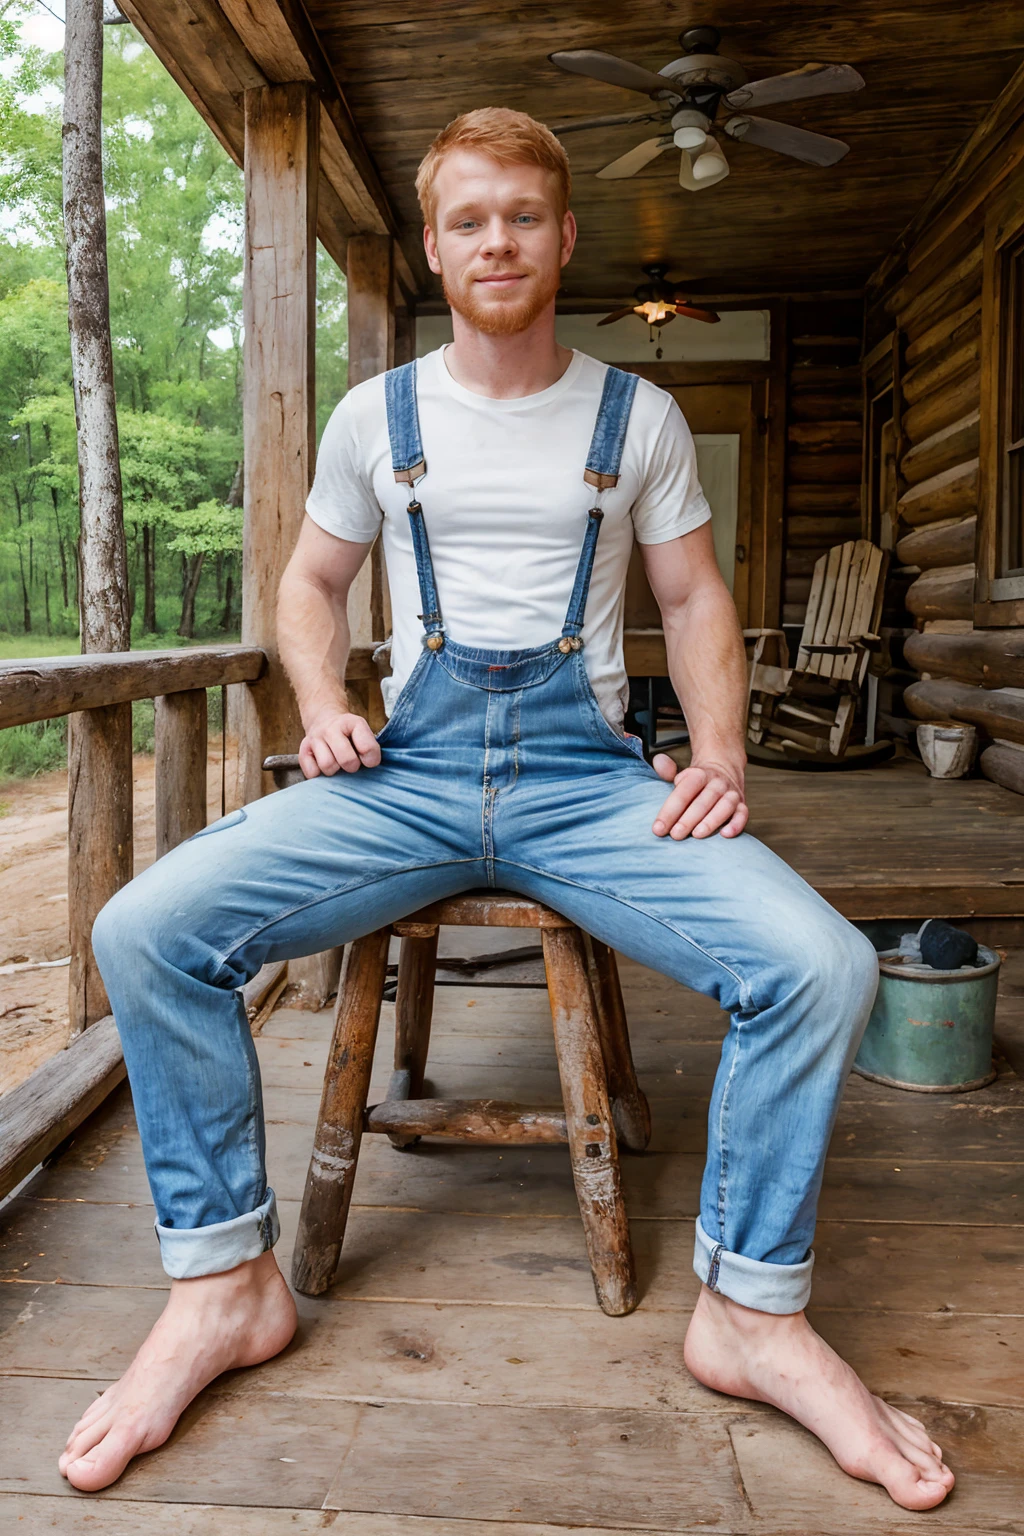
(180, 748)
(807, 532)
(824, 500)
(950, 445)
(824, 468)
(952, 325)
(989, 658)
(100, 852)
(478, 1120)
(27, 1513)
(948, 365)
(571, 1466)
(281, 159)
(984, 1448)
(40, 1112)
(948, 402)
(997, 713)
(645, 653)
(1005, 766)
(913, 301)
(223, 1458)
(371, 325)
(836, 566)
(949, 542)
(823, 435)
(47, 686)
(953, 492)
(944, 593)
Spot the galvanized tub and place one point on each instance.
(931, 1031)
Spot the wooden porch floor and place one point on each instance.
(459, 1379)
(892, 842)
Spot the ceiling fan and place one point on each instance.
(688, 94)
(659, 301)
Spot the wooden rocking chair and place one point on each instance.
(810, 707)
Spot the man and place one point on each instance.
(503, 762)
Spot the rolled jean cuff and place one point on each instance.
(779, 1288)
(189, 1252)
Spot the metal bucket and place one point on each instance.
(931, 1031)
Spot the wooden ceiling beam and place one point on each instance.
(281, 39)
(214, 63)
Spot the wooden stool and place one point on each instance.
(603, 1104)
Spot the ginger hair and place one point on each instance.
(510, 138)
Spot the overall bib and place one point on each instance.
(498, 768)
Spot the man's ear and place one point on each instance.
(568, 236)
(430, 246)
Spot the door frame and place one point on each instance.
(767, 459)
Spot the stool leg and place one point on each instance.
(339, 1129)
(592, 1146)
(414, 1005)
(630, 1109)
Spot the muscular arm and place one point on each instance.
(313, 638)
(708, 670)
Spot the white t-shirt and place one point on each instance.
(505, 510)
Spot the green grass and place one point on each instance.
(27, 750)
(26, 647)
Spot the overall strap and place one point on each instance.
(602, 472)
(407, 459)
(409, 465)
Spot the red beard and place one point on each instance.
(507, 315)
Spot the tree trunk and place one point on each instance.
(46, 597)
(188, 599)
(149, 579)
(103, 583)
(26, 607)
(229, 594)
(56, 524)
(100, 740)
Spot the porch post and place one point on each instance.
(282, 161)
(371, 350)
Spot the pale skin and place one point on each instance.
(500, 240)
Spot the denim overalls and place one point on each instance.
(498, 768)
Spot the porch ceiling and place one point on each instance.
(932, 68)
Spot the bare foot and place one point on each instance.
(782, 1361)
(210, 1325)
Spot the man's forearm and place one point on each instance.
(313, 638)
(708, 669)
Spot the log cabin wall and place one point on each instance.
(935, 328)
(823, 438)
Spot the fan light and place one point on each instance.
(655, 310)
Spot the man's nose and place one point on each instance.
(498, 239)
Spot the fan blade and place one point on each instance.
(796, 85)
(618, 314)
(691, 312)
(613, 120)
(785, 139)
(635, 159)
(613, 71)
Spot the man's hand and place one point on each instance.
(336, 739)
(707, 798)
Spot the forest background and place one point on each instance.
(175, 242)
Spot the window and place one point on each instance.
(1010, 551)
(999, 589)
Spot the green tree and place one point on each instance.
(174, 229)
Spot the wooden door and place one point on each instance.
(724, 417)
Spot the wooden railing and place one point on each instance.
(97, 693)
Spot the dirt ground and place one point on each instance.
(34, 907)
